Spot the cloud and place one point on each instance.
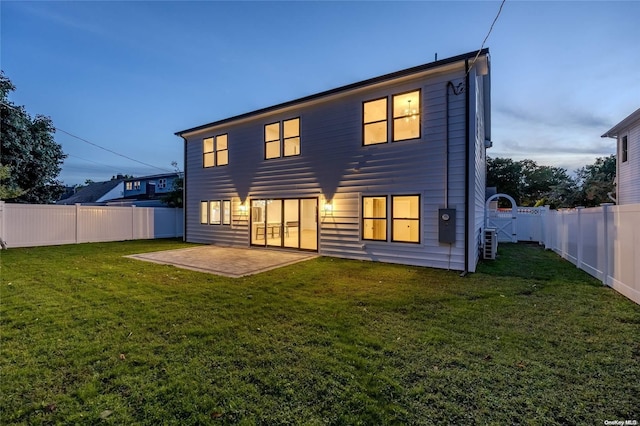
(555, 116)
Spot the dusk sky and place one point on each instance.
(128, 75)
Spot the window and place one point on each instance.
(208, 156)
(282, 139)
(226, 212)
(204, 211)
(405, 218)
(624, 150)
(162, 183)
(272, 140)
(406, 119)
(128, 186)
(406, 116)
(222, 150)
(375, 121)
(215, 151)
(214, 212)
(374, 218)
(136, 184)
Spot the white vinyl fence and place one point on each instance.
(31, 225)
(603, 241)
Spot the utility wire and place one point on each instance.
(95, 144)
(91, 161)
(486, 37)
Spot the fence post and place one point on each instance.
(133, 220)
(78, 222)
(2, 222)
(605, 238)
(580, 241)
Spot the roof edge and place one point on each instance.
(352, 86)
(613, 132)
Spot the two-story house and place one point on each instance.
(388, 169)
(627, 134)
(146, 188)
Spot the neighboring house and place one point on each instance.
(146, 191)
(388, 169)
(149, 187)
(627, 133)
(96, 193)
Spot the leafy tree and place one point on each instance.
(30, 151)
(530, 184)
(174, 198)
(597, 181)
(506, 175)
(6, 191)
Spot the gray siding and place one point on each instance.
(629, 171)
(334, 165)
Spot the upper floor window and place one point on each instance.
(282, 138)
(162, 183)
(215, 151)
(624, 149)
(375, 121)
(405, 113)
(128, 186)
(136, 184)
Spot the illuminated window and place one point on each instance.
(129, 186)
(222, 150)
(374, 218)
(272, 140)
(625, 149)
(405, 218)
(208, 156)
(406, 116)
(282, 139)
(291, 137)
(406, 119)
(215, 151)
(214, 212)
(204, 212)
(136, 184)
(226, 212)
(375, 121)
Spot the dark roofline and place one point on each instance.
(152, 176)
(382, 78)
(615, 130)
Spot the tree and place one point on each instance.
(530, 184)
(9, 190)
(30, 151)
(597, 181)
(506, 175)
(174, 198)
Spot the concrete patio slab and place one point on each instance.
(225, 261)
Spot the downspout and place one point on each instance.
(467, 155)
(184, 191)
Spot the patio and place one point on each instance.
(225, 261)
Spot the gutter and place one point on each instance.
(184, 192)
(467, 155)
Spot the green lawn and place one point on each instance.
(91, 337)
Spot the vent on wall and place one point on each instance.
(490, 243)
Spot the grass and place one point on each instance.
(91, 337)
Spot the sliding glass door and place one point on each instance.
(290, 223)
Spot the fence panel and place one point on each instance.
(30, 225)
(603, 241)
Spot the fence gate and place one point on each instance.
(504, 222)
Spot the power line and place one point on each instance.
(486, 37)
(95, 144)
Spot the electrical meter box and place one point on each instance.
(447, 226)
